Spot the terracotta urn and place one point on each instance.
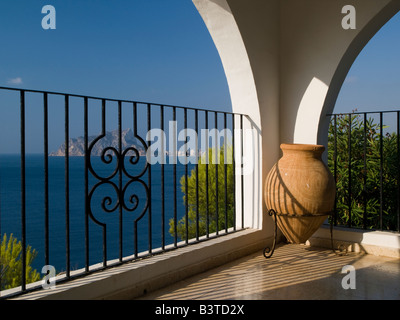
(301, 190)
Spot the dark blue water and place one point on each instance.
(10, 209)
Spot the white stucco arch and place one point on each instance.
(232, 42)
(316, 53)
(285, 62)
(351, 54)
(228, 40)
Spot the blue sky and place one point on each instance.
(143, 50)
(149, 50)
(146, 50)
(157, 51)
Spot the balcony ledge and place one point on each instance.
(378, 243)
(133, 279)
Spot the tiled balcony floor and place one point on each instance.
(294, 272)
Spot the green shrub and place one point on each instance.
(224, 219)
(11, 263)
(363, 172)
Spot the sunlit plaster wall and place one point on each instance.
(316, 53)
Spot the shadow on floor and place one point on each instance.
(293, 272)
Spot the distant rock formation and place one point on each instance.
(111, 139)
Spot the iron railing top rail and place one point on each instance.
(359, 112)
(119, 100)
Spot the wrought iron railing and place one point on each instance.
(85, 201)
(364, 157)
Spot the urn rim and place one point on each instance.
(302, 147)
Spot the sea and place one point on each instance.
(69, 213)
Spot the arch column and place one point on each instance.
(253, 81)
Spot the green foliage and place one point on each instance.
(11, 263)
(363, 172)
(224, 219)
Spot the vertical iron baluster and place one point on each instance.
(349, 164)
(103, 119)
(335, 167)
(186, 180)
(149, 179)
(242, 167)
(1, 235)
(207, 161)
(1, 238)
(175, 191)
(381, 172)
(398, 170)
(365, 173)
(216, 171)
(135, 233)
(46, 177)
(87, 159)
(66, 171)
(120, 166)
(196, 119)
(23, 191)
(162, 179)
(226, 172)
(234, 172)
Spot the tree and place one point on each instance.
(11, 263)
(207, 216)
(359, 182)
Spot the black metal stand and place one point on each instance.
(268, 252)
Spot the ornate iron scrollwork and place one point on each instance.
(120, 169)
(124, 198)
